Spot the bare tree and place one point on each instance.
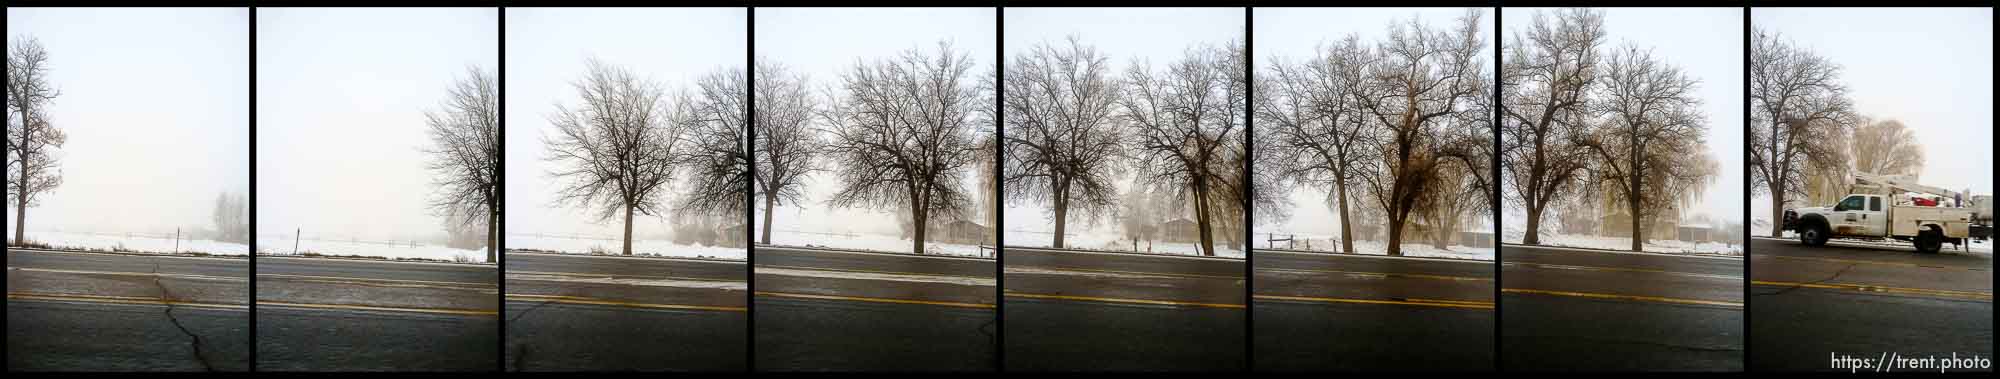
(1418, 79)
(1799, 108)
(1181, 121)
(1886, 147)
(1063, 140)
(1545, 78)
(32, 141)
(231, 217)
(1653, 121)
(787, 147)
(716, 156)
(903, 135)
(465, 156)
(617, 152)
(1317, 136)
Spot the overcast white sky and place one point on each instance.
(546, 49)
(156, 105)
(1293, 34)
(1930, 68)
(340, 126)
(1158, 36)
(1707, 45)
(822, 42)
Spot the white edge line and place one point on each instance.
(1122, 254)
(1603, 251)
(383, 261)
(675, 259)
(11, 249)
(847, 251)
(1371, 256)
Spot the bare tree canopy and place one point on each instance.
(1417, 81)
(1546, 77)
(1183, 121)
(1063, 140)
(903, 134)
(232, 217)
(617, 151)
(465, 156)
(716, 152)
(1641, 148)
(1799, 109)
(34, 168)
(787, 147)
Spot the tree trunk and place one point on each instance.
(1202, 220)
(1062, 212)
(1396, 233)
(770, 205)
(628, 230)
(492, 237)
(1534, 236)
(20, 216)
(21, 197)
(1777, 210)
(920, 222)
(1346, 224)
(1638, 236)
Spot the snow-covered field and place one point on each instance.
(1515, 236)
(1109, 242)
(871, 242)
(1411, 249)
(659, 248)
(277, 245)
(110, 242)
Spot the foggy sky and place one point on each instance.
(340, 126)
(820, 43)
(155, 102)
(546, 49)
(1930, 68)
(1158, 36)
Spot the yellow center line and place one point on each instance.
(1987, 296)
(1418, 302)
(1656, 299)
(1121, 300)
(466, 312)
(872, 271)
(340, 279)
(1141, 273)
(1857, 261)
(1621, 269)
(1417, 276)
(874, 299)
(128, 273)
(584, 275)
(117, 300)
(598, 301)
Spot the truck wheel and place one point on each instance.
(1930, 241)
(1813, 235)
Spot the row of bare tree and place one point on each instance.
(1073, 127)
(1623, 125)
(1405, 120)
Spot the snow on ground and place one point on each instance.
(872, 242)
(1515, 236)
(1109, 242)
(283, 245)
(1327, 243)
(1977, 247)
(114, 242)
(647, 247)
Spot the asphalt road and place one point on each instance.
(1810, 304)
(1092, 311)
(316, 314)
(826, 310)
(69, 311)
(599, 313)
(1338, 312)
(1581, 310)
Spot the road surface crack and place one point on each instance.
(521, 349)
(1781, 291)
(169, 299)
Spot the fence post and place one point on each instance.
(296, 235)
(177, 240)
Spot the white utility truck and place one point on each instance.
(1884, 207)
